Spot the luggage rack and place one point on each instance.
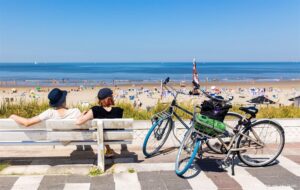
(160, 116)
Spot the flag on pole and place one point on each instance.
(195, 73)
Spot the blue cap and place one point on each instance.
(104, 93)
(57, 97)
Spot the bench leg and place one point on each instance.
(100, 161)
(100, 147)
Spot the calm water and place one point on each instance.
(264, 71)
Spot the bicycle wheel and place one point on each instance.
(263, 142)
(157, 136)
(187, 152)
(231, 119)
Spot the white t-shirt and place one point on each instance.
(53, 114)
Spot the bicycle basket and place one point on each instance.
(214, 110)
(208, 126)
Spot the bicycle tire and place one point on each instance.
(151, 131)
(190, 160)
(215, 144)
(256, 163)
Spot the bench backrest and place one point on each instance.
(51, 131)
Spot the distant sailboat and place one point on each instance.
(35, 62)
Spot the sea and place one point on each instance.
(145, 72)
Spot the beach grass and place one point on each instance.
(30, 109)
(4, 165)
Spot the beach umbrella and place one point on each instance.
(261, 100)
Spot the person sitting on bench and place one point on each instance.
(104, 110)
(58, 110)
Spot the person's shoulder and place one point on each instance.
(74, 110)
(97, 108)
(49, 110)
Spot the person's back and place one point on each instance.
(58, 110)
(104, 110)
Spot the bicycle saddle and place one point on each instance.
(250, 110)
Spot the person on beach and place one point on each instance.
(58, 110)
(104, 110)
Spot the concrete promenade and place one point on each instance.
(61, 167)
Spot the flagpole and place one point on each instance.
(161, 89)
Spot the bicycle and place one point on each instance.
(248, 139)
(163, 123)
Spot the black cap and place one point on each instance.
(57, 97)
(104, 93)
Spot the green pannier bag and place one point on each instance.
(209, 126)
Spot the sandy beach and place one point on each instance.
(147, 95)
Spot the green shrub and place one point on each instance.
(94, 171)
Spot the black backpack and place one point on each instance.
(214, 110)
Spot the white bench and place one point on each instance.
(61, 132)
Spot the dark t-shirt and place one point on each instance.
(100, 113)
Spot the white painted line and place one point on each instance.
(75, 186)
(249, 182)
(201, 181)
(27, 183)
(279, 188)
(290, 165)
(127, 181)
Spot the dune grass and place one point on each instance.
(4, 165)
(30, 109)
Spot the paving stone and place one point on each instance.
(36, 169)
(7, 182)
(77, 186)
(70, 169)
(14, 170)
(275, 176)
(219, 176)
(151, 180)
(295, 158)
(78, 179)
(52, 187)
(28, 182)
(174, 182)
(105, 182)
(53, 182)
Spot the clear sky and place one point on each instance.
(149, 30)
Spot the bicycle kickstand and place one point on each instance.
(232, 163)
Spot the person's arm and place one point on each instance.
(25, 121)
(84, 118)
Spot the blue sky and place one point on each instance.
(149, 30)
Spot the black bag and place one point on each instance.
(214, 110)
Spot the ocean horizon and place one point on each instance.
(110, 72)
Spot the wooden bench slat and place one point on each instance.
(53, 143)
(66, 124)
(63, 136)
(115, 123)
(9, 124)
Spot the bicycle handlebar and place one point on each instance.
(196, 87)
